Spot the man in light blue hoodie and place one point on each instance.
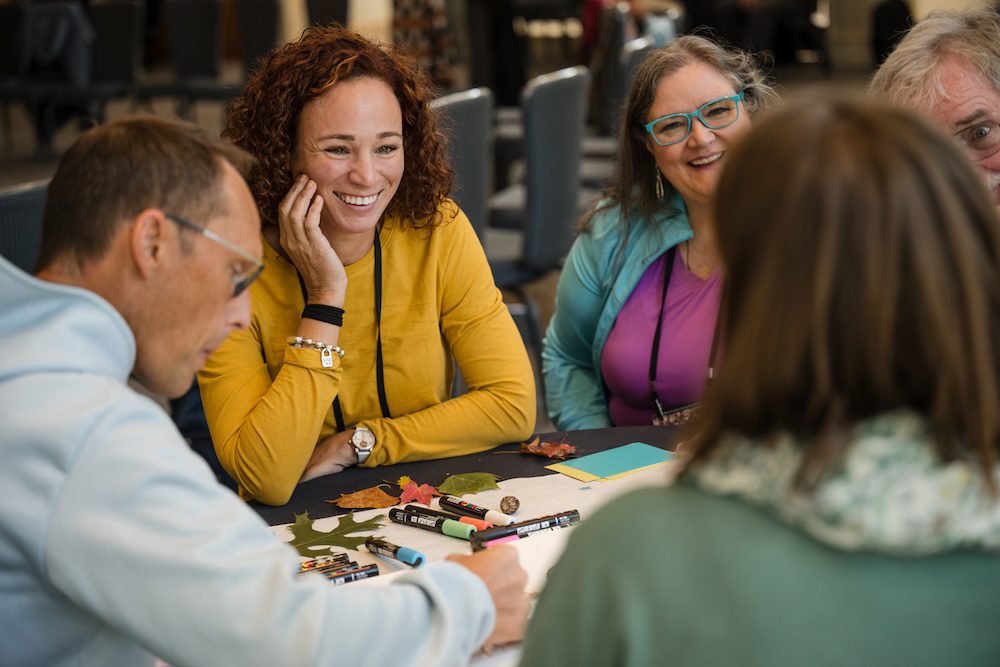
(116, 542)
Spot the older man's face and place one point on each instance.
(970, 110)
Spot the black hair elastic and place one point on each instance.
(323, 313)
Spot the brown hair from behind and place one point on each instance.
(114, 171)
(264, 119)
(863, 275)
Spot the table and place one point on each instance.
(503, 461)
(540, 491)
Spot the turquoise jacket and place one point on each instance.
(603, 267)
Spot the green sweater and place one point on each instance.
(676, 576)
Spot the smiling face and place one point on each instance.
(970, 110)
(693, 165)
(350, 141)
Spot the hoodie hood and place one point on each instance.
(47, 327)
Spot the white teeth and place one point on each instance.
(706, 160)
(358, 201)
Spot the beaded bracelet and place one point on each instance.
(325, 351)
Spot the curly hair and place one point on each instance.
(633, 185)
(264, 120)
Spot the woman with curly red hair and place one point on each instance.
(375, 283)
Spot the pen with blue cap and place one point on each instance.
(411, 557)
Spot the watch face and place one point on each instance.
(363, 439)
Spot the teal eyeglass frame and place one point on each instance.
(689, 117)
(243, 283)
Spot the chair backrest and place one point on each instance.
(607, 72)
(193, 27)
(13, 47)
(632, 54)
(258, 28)
(118, 27)
(21, 210)
(555, 108)
(467, 119)
(325, 12)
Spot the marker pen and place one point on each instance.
(431, 523)
(472, 521)
(354, 574)
(459, 506)
(322, 562)
(406, 555)
(517, 531)
(331, 568)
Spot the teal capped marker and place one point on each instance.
(411, 557)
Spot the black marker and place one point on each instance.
(516, 531)
(433, 524)
(411, 557)
(353, 574)
(471, 520)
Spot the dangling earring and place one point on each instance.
(659, 184)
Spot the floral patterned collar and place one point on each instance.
(890, 494)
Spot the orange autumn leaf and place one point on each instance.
(421, 494)
(373, 497)
(551, 450)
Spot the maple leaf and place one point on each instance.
(373, 497)
(422, 494)
(468, 482)
(307, 539)
(551, 450)
(403, 481)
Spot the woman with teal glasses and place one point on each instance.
(634, 336)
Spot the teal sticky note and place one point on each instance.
(619, 460)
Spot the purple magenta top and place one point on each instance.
(685, 343)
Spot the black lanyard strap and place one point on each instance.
(338, 413)
(654, 356)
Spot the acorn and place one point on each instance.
(509, 504)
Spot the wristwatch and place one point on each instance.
(363, 442)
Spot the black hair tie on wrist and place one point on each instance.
(323, 313)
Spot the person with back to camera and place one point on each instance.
(376, 284)
(639, 294)
(838, 503)
(948, 66)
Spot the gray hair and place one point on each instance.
(911, 74)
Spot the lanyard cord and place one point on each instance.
(654, 356)
(338, 413)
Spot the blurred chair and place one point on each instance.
(21, 209)
(325, 12)
(468, 119)
(605, 96)
(195, 43)
(259, 29)
(13, 61)
(116, 64)
(546, 207)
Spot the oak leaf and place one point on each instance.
(551, 450)
(468, 482)
(421, 494)
(372, 497)
(311, 542)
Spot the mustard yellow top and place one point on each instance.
(268, 405)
